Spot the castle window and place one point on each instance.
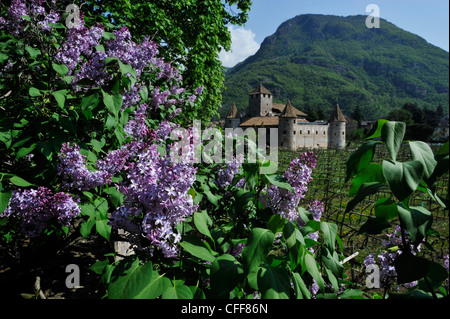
(342, 133)
(294, 132)
(309, 132)
(317, 132)
(323, 132)
(300, 131)
(284, 132)
(264, 95)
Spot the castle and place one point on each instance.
(294, 131)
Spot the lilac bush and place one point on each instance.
(35, 208)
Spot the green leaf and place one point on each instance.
(197, 249)
(60, 97)
(329, 234)
(376, 131)
(417, 221)
(279, 181)
(4, 198)
(103, 229)
(300, 288)
(392, 135)
(130, 280)
(410, 268)
(402, 178)
(34, 92)
(273, 283)
(86, 227)
(423, 153)
(18, 181)
(60, 69)
(386, 208)
(360, 158)
(226, 273)
(32, 51)
(372, 173)
(435, 275)
(365, 190)
(201, 222)
(311, 268)
(276, 223)
(178, 292)
(108, 36)
(259, 242)
(374, 226)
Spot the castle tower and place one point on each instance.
(287, 128)
(232, 121)
(260, 102)
(336, 134)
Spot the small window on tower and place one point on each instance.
(300, 131)
(309, 132)
(284, 132)
(342, 133)
(294, 132)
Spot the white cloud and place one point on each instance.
(243, 45)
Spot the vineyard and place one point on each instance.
(329, 186)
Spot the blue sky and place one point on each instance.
(427, 18)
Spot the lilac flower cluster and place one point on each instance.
(226, 174)
(281, 200)
(37, 207)
(387, 258)
(15, 23)
(73, 169)
(156, 199)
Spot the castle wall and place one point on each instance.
(232, 123)
(311, 135)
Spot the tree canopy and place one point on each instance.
(192, 33)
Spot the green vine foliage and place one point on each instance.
(403, 180)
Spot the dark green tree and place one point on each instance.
(357, 115)
(192, 33)
(418, 115)
(401, 115)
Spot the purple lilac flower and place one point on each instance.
(225, 175)
(74, 171)
(36, 207)
(283, 201)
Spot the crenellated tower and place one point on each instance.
(260, 102)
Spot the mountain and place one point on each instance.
(320, 60)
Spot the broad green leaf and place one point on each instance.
(260, 241)
(60, 97)
(410, 268)
(435, 275)
(34, 92)
(276, 223)
(392, 135)
(18, 181)
(178, 292)
(423, 153)
(5, 196)
(311, 268)
(279, 181)
(331, 262)
(131, 280)
(86, 227)
(300, 287)
(374, 226)
(386, 208)
(273, 283)
(376, 131)
(32, 51)
(103, 229)
(201, 222)
(108, 36)
(329, 231)
(25, 151)
(402, 178)
(372, 173)
(417, 221)
(226, 273)
(365, 190)
(60, 69)
(197, 249)
(360, 158)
